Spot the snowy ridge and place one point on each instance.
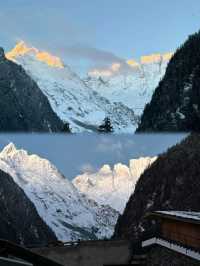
(135, 87)
(183, 214)
(70, 97)
(176, 247)
(113, 186)
(69, 214)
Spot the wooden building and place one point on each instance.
(178, 226)
(175, 240)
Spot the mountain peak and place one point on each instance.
(112, 186)
(105, 169)
(56, 199)
(154, 58)
(10, 148)
(22, 49)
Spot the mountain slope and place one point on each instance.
(70, 97)
(19, 220)
(171, 183)
(23, 107)
(69, 214)
(113, 186)
(175, 103)
(133, 87)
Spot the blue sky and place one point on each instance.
(95, 31)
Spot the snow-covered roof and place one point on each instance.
(188, 216)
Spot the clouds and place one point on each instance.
(51, 27)
(87, 168)
(100, 62)
(91, 53)
(114, 146)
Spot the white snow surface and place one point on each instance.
(73, 100)
(134, 88)
(176, 247)
(183, 214)
(113, 186)
(68, 213)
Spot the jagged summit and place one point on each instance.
(113, 186)
(22, 49)
(10, 148)
(85, 102)
(70, 97)
(132, 65)
(65, 210)
(153, 58)
(133, 87)
(23, 106)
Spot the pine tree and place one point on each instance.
(66, 128)
(106, 127)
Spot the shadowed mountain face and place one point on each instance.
(175, 103)
(23, 107)
(172, 182)
(19, 220)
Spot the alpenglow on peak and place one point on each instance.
(22, 48)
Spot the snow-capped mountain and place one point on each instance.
(66, 211)
(70, 97)
(113, 186)
(133, 88)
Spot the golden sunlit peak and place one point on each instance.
(22, 48)
(167, 56)
(150, 58)
(132, 63)
(147, 59)
(51, 60)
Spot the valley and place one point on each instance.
(85, 102)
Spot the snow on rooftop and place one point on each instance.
(182, 214)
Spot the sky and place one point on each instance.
(76, 154)
(99, 32)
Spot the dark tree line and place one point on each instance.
(175, 105)
(106, 126)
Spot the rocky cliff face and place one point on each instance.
(172, 182)
(19, 220)
(175, 104)
(23, 107)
